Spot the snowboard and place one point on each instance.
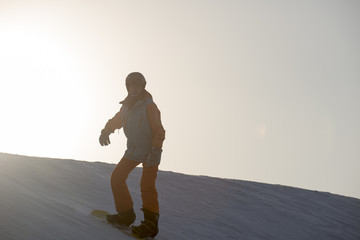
(101, 215)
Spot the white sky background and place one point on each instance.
(267, 91)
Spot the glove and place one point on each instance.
(154, 157)
(104, 139)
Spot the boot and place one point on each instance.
(148, 227)
(123, 219)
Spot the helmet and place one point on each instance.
(135, 78)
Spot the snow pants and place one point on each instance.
(122, 197)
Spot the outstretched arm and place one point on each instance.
(114, 123)
(111, 125)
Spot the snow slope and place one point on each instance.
(51, 199)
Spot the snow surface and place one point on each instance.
(44, 198)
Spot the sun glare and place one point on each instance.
(261, 131)
(41, 91)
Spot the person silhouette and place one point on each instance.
(141, 121)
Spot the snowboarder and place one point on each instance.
(140, 119)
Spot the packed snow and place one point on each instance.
(45, 198)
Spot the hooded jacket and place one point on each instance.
(142, 127)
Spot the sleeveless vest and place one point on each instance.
(137, 130)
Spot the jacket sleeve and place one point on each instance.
(114, 123)
(157, 128)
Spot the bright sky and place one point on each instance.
(266, 91)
